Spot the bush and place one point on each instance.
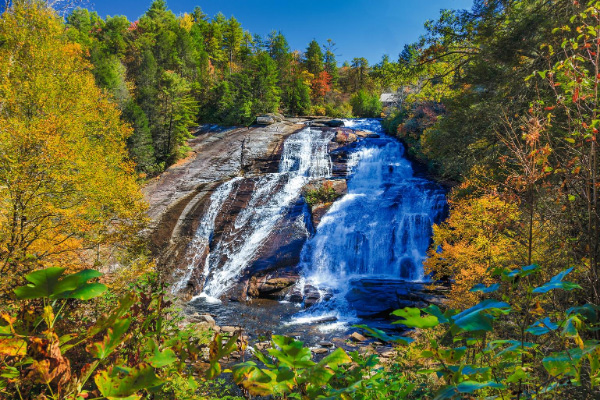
(55, 344)
(324, 194)
(366, 105)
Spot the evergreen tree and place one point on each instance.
(313, 58)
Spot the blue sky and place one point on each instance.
(360, 28)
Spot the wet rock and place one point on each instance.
(344, 137)
(357, 337)
(181, 195)
(325, 344)
(362, 134)
(318, 211)
(324, 320)
(268, 286)
(320, 350)
(334, 123)
(373, 136)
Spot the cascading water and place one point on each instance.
(380, 229)
(365, 257)
(304, 158)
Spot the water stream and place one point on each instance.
(367, 252)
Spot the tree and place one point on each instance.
(66, 187)
(359, 73)
(177, 110)
(232, 40)
(266, 91)
(330, 62)
(365, 104)
(297, 97)
(313, 58)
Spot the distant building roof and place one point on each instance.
(388, 97)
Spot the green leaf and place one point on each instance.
(523, 272)
(570, 328)
(443, 318)
(76, 286)
(264, 359)
(485, 289)
(285, 374)
(541, 327)
(115, 335)
(43, 283)
(258, 382)
(465, 387)
(119, 383)
(381, 335)
(159, 358)
(480, 317)
(47, 283)
(336, 358)
(557, 283)
(452, 355)
(566, 363)
(291, 352)
(412, 318)
(108, 320)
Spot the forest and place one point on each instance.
(500, 103)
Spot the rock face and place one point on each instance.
(180, 196)
(339, 186)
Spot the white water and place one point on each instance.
(381, 228)
(304, 158)
(199, 244)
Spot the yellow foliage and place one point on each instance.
(186, 22)
(478, 236)
(66, 186)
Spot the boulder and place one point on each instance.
(229, 329)
(334, 123)
(319, 350)
(362, 134)
(345, 137)
(268, 286)
(265, 120)
(205, 319)
(357, 337)
(373, 136)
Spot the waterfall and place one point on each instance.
(199, 244)
(305, 157)
(381, 228)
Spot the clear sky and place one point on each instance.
(360, 28)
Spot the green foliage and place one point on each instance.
(487, 357)
(323, 194)
(365, 104)
(135, 348)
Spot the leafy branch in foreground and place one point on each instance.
(133, 350)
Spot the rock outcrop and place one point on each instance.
(180, 196)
